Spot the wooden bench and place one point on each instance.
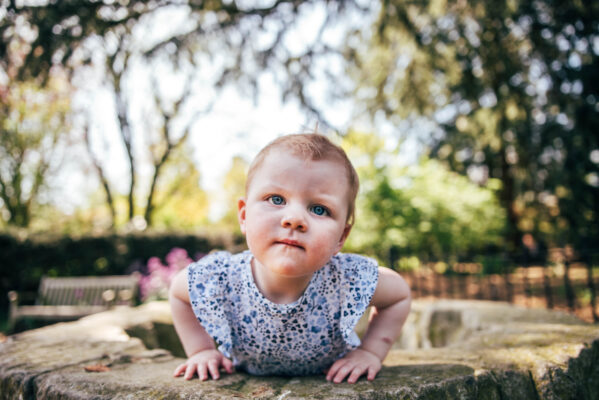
(70, 298)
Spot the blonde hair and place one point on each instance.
(314, 147)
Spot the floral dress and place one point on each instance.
(265, 338)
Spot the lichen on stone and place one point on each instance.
(449, 350)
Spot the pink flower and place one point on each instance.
(144, 286)
(154, 264)
(178, 259)
(155, 284)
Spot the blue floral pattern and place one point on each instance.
(265, 338)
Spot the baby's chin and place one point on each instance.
(286, 266)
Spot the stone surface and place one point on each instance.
(449, 350)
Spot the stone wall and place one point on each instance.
(448, 350)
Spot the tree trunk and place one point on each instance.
(103, 180)
(125, 131)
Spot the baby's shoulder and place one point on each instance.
(216, 274)
(353, 267)
(353, 262)
(219, 261)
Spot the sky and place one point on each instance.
(235, 126)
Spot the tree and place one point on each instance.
(422, 209)
(512, 86)
(181, 201)
(34, 129)
(233, 190)
(245, 38)
(157, 137)
(238, 41)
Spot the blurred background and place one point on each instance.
(127, 127)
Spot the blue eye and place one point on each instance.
(319, 210)
(276, 200)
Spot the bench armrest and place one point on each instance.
(13, 297)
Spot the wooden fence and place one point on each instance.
(567, 286)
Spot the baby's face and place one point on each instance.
(294, 214)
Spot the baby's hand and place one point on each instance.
(355, 364)
(203, 362)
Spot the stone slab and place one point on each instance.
(487, 351)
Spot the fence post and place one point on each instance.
(588, 259)
(547, 285)
(527, 286)
(426, 287)
(567, 284)
(508, 284)
(452, 285)
(415, 287)
(464, 285)
(493, 287)
(437, 289)
(479, 281)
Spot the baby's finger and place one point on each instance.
(357, 372)
(213, 368)
(342, 373)
(333, 369)
(202, 372)
(228, 365)
(190, 371)
(179, 370)
(372, 371)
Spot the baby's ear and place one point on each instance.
(344, 236)
(241, 214)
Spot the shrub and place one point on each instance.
(155, 284)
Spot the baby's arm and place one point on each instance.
(203, 356)
(391, 305)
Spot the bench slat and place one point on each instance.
(74, 297)
(83, 290)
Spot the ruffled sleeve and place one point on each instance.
(359, 280)
(207, 285)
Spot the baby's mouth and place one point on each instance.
(290, 242)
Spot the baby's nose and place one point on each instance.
(294, 219)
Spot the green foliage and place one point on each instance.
(209, 44)
(410, 263)
(234, 189)
(23, 261)
(33, 127)
(494, 264)
(183, 204)
(512, 87)
(423, 210)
